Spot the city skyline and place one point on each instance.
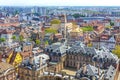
(59, 3)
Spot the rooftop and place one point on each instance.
(4, 67)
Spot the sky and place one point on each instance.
(59, 3)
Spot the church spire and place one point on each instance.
(65, 30)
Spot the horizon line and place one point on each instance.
(59, 6)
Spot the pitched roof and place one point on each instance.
(4, 67)
(34, 61)
(90, 71)
(81, 49)
(105, 55)
(110, 74)
(5, 31)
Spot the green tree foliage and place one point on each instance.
(77, 15)
(46, 42)
(37, 42)
(55, 21)
(2, 40)
(108, 27)
(117, 50)
(14, 37)
(87, 28)
(112, 23)
(50, 30)
(21, 38)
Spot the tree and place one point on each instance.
(108, 27)
(50, 30)
(21, 38)
(46, 42)
(2, 40)
(14, 37)
(55, 21)
(87, 28)
(112, 23)
(37, 42)
(117, 50)
(77, 15)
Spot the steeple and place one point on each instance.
(65, 30)
(65, 18)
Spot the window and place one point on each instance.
(28, 78)
(22, 78)
(38, 74)
(27, 71)
(74, 57)
(71, 63)
(51, 50)
(77, 57)
(33, 73)
(71, 57)
(74, 63)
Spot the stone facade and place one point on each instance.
(77, 60)
(57, 53)
(26, 74)
(33, 67)
(7, 72)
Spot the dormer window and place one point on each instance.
(96, 70)
(98, 55)
(112, 72)
(110, 76)
(47, 50)
(51, 50)
(105, 55)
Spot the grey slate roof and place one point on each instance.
(105, 56)
(81, 49)
(57, 48)
(53, 46)
(90, 50)
(36, 61)
(110, 73)
(90, 71)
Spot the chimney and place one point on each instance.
(0, 57)
(40, 61)
(84, 68)
(78, 66)
(31, 60)
(99, 70)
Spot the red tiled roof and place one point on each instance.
(104, 37)
(26, 54)
(9, 24)
(117, 20)
(6, 31)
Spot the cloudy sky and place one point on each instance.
(60, 2)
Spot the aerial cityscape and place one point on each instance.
(59, 42)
